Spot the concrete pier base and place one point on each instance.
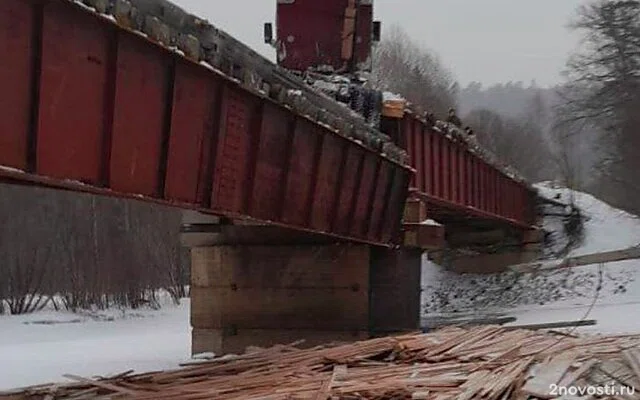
(490, 263)
(245, 293)
(488, 252)
(465, 262)
(265, 295)
(395, 290)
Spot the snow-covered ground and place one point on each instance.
(616, 306)
(40, 348)
(549, 297)
(559, 295)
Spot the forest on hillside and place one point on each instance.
(584, 131)
(581, 133)
(520, 115)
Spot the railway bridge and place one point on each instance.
(297, 230)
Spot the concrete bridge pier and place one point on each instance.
(260, 285)
(490, 251)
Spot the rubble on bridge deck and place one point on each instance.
(395, 106)
(195, 38)
(488, 362)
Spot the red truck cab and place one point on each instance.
(318, 34)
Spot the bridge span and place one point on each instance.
(297, 230)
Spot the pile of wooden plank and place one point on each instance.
(394, 108)
(487, 362)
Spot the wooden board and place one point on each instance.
(449, 364)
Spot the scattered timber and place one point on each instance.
(555, 325)
(488, 362)
(429, 323)
(632, 253)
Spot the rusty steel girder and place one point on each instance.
(454, 180)
(89, 105)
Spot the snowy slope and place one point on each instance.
(606, 227)
(554, 295)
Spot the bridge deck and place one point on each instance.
(88, 105)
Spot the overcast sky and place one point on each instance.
(479, 40)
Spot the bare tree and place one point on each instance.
(603, 79)
(85, 250)
(603, 92)
(25, 255)
(404, 67)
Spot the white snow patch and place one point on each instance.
(109, 17)
(388, 96)
(430, 222)
(86, 7)
(74, 182)
(324, 85)
(612, 311)
(610, 318)
(10, 169)
(204, 356)
(40, 348)
(211, 67)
